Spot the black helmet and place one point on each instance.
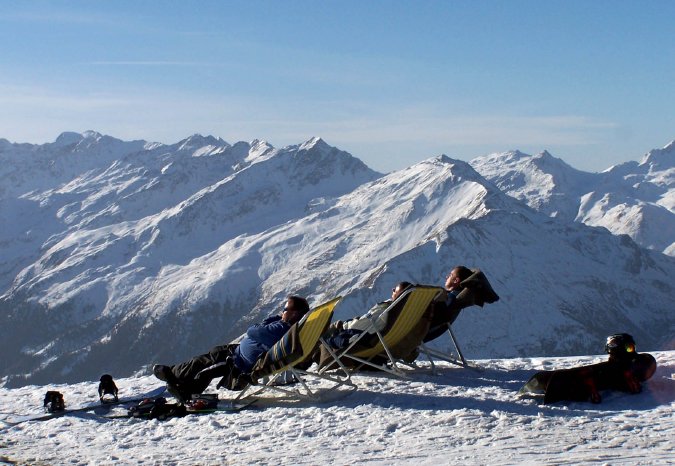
(620, 344)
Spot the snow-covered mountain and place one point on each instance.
(90, 248)
(636, 199)
(163, 251)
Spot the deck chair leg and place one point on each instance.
(297, 376)
(335, 359)
(395, 370)
(345, 351)
(432, 353)
(395, 367)
(454, 342)
(245, 393)
(431, 360)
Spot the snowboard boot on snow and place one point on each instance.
(53, 402)
(107, 386)
(173, 385)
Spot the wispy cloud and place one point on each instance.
(386, 138)
(456, 130)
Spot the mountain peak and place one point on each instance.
(67, 138)
(259, 148)
(202, 145)
(315, 142)
(511, 157)
(443, 160)
(260, 144)
(457, 167)
(85, 140)
(199, 139)
(548, 163)
(516, 155)
(90, 134)
(660, 159)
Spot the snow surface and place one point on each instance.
(456, 416)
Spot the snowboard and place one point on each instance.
(586, 382)
(222, 405)
(158, 408)
(105, 405)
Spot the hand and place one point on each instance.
(632, 383)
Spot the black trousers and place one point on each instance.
(185, 372)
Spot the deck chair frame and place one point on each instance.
(311, 329)
(417, 300)
(457, 358)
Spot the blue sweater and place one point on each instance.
(259, 338)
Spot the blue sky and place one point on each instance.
(392, 82)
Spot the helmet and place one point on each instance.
(620, 344)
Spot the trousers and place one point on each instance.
(186, 373)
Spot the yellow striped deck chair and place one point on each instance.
(407, 323)
(292, 356)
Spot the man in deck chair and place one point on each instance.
(290, 358)
(229, 361)
(464, 287)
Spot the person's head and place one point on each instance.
(620, 346)
(295, 308)
(398, 289)
(457, 276)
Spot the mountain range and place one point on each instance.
(634, 199)
(118, 254)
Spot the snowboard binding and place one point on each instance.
(156, 408)
(107, 386)
(53, 402)
(202, 403)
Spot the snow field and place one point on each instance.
(457, 415)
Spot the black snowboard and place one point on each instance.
(159, 408)
(585, 383)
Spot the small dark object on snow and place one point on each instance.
(54, 402)
(202, 403)
(156, 408)
(107, 386)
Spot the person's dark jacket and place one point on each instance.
(259, 338)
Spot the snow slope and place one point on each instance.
(457, 416)
(148, 275)
(635, 199)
